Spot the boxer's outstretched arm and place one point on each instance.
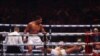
(74, 48)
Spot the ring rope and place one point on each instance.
(62, 26)
(53, 34)
(35, 50)
(24, 25)
(54, 44)
(38, 50)
(49, 54)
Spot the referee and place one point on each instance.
(12, 39)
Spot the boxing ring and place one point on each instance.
(86, 52)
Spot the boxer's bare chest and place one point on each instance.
(35, 28)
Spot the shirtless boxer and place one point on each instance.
(34, 27)
(60, 51)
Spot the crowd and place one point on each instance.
(64, 12)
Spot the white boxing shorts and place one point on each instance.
(34, 40)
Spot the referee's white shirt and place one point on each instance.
(14, 38)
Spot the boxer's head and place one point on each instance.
(61, 44)
(38, 19)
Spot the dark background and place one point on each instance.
(52, 12)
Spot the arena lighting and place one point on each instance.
(24, 25)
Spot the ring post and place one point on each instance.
(50, 31)
(88, 48)
(45, 46)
